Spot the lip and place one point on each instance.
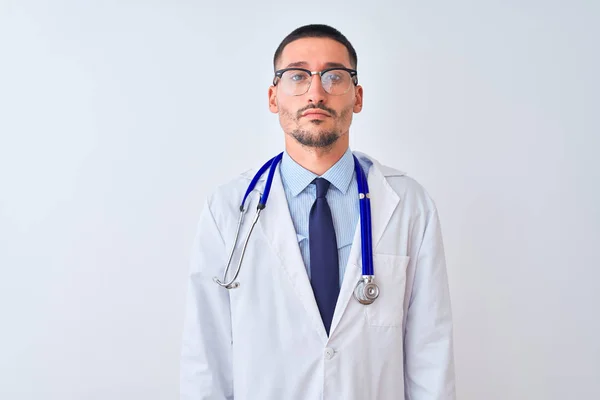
(315, 114)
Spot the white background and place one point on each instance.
(117, 118)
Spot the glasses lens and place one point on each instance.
(336, 82)
(295, 82)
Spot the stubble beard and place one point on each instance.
(316, 139)
(321, 140)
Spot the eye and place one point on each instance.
(298, 77)
(333, 77)
(295, 76)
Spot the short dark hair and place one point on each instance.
(316, 31)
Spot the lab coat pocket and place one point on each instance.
(390, 276)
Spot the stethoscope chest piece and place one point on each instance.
(366, 290)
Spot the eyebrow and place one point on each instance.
(327, 64)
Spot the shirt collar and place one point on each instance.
(297, 178)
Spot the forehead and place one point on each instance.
(315, 52)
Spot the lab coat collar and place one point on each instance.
(385, 170)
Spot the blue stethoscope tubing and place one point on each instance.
(366, 291)
(364, 201)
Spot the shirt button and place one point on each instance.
(329, 352)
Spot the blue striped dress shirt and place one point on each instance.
(342, 198)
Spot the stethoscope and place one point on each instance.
(366, 291)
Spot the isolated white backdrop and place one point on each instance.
(117, 118)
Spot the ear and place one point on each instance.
(358, 99)
(273, 99)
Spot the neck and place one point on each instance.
(316, 160)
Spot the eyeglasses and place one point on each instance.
(296, 81)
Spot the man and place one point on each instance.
(293, 328)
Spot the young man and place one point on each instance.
(294, 328)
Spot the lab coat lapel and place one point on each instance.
(351, 277)
(276, 224)
(384, 201)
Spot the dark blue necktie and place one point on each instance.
(324, 264)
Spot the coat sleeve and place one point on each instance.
(206, 353)
(429, 357)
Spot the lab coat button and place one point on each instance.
(329, 352)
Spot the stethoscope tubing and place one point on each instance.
(365, 219)
(365, 226)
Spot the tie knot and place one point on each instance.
(322, 187)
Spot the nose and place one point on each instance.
(316, 93)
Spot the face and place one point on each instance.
(315, 119)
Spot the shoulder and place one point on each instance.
(225, 199)
(409, 189)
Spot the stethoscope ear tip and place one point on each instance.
(232, 285)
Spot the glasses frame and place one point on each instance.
(353, 76)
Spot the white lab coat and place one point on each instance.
(265, 340)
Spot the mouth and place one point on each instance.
(315, 115)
